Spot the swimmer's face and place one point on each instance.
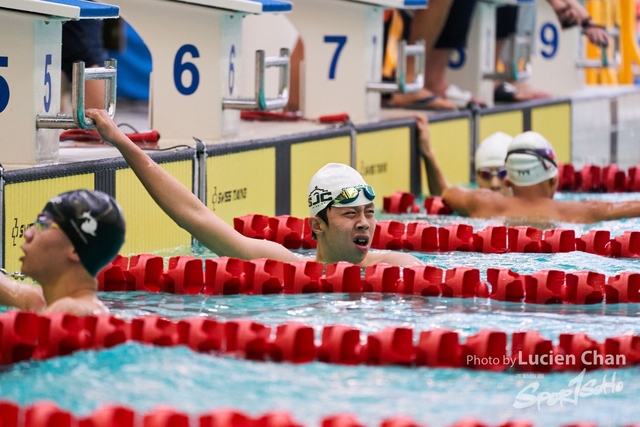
(492, 178)
(45, 245)
(349, 233)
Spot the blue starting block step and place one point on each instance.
(247, 6)
(62, 9)
(90, 10)
(397, 4)
(274, 6)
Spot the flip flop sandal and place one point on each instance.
(462, 98)
(505, 92)
(426, 103)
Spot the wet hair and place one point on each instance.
(93, 222)
(323, 216)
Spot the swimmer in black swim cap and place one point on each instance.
(71, 240)
(93, 222)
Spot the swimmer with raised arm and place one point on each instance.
(72, 239)
(489, 161)
(532, 175)
(340, 204)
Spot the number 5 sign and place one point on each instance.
(4, 86)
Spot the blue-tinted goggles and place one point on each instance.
(350, 194)
(487, 173)
(541, 153)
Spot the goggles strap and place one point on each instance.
(536, 153)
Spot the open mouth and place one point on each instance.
(362, 242)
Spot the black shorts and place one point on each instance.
(455, 30)
(82, 41)
(506, 18)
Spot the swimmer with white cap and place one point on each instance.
(490, 156)
(532, 175)
(71, 240)
(489, 161)
(340, 205)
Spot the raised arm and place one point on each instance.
(435, 179)
(182, 205)
(21, 295)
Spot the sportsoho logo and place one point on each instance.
(576, 388)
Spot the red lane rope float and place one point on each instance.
(27, 336)
(294, 233)
(596, 179)
(45, 414)
(230, 276)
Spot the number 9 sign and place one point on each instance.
(549, 38)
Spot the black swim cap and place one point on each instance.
(94, 223)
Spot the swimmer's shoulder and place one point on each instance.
(398, 258)
(78, 306)
(486, 203)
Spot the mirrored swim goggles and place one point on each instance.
(488, 173)
(541, 153)
(43, 222)
(348, 195)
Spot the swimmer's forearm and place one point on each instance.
(582, 12)
(621, 210)
(173, 197)
(435, 178)
(22, 296)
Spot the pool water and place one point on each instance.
(145, 377)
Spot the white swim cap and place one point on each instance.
(531, 160)
(330, 181)
(492, 150)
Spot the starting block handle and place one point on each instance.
(261, 102)
(77, 119)
(401, 86)
(604, 60)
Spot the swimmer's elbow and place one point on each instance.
(33, 300)
(455, 198)
(447, 195)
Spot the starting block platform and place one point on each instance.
(343, 52)
(196, 49)
(30, 69)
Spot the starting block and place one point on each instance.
(560, 60)
(30, 72)
(473, 68)
(196, 49)
(342, 65)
